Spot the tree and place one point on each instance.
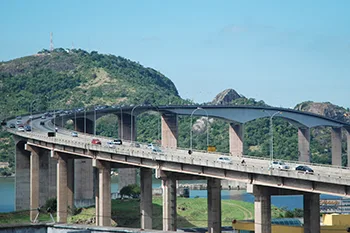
(132, 190)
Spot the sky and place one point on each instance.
(281, 52)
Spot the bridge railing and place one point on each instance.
(253, 164)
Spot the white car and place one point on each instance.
(21, 129)
(74, 134)
(278, 165)
(224, 159)
(154, 148)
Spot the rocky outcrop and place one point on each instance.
(226, 97)
(326, 109)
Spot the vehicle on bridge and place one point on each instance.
(154, 147)
(305, 169)
(278, 165)
(225, 159)
(74, 134)
(96, 141)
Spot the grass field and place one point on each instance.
(126, 213)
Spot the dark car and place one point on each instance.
(42, 123)
(117, 142)
(12, 125)
(27, 128)
(305, 169)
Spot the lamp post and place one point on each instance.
(199, 108)
(94, 121)
(85, 124)
(31, 114)
(132, 121)
(271, 132)
(121, 123)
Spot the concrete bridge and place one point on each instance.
(37, 155)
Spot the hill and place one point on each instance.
(67, 79)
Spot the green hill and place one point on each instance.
(67, 79)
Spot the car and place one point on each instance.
(110, 144)
(12, 125)
(18, 122)
(21, 129)
(19, 118)
(224, 159)
(154, 147)
(135, 144)
(74, 134)
(117, 142)
(304, 169)
(278, 165)
(42, 123)
(43, 117)
(27, 128)
(96, 141)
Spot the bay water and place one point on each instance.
(7, 195)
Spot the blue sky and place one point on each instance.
(282, 52)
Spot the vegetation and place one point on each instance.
(132, 190)
(126, 213)
(68, 79)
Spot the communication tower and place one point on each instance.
(51, 42)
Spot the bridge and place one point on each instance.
(56, 166)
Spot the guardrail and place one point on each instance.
(253, 164)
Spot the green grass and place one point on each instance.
(126, 213)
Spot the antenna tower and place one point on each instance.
(51, 42)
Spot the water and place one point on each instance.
(7, 195)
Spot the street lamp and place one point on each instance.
(121, 124)
(271, 132)
(132, 121)
(31, 114)
(94, 121)
(199, 108)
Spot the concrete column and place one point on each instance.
(84, 180)
(70, 183)
(312, 213)
(348, 145)
(169, 203)
(124, 126)
(62, 188)
(127, 176)
(169, 130)
(103, 199)
(84, 125)
(22, 179)
(214, 205)
(304, 144)
(262, 208)
(336, 146)
(34, 181)
(146, 198)
(236, 139)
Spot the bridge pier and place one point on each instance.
(236, 139)
(34, 181)
(169, 130)
(304, 144)
(336, 146)
(62, 187)
(262, 208)
(127, 176)
(146, 198)
(348, 144)
(214, 205)
(312, 213)
(103, 196)
(169, 203)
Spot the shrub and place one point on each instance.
(51, 205)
